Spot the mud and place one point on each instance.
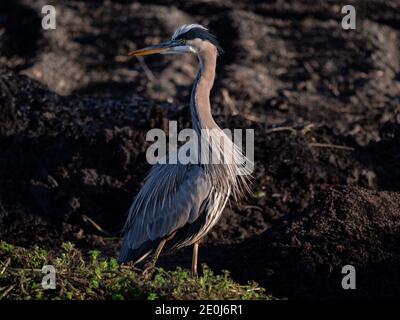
(74, 113)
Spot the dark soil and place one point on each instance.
(74, 114)
(345, 225)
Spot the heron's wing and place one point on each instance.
(171, 197)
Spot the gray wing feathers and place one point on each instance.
(171, 197)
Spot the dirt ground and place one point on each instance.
(326, 190)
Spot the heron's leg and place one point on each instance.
(158, 251)
(194, 258)
(160, 247)
(151, 264)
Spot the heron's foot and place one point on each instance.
(194, 275)
(149, 269)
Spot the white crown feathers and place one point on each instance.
(185, 28)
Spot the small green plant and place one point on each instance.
(99, 277)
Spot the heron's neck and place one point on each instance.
(200, 100)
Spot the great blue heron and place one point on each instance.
(179, 203)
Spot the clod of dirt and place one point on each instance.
(302, 256)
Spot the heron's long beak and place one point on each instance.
(162, 48)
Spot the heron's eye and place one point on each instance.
(183, 41)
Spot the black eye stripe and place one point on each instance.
(201, 34)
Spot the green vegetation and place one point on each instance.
(97, 277)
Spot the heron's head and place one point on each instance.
(191, 38)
